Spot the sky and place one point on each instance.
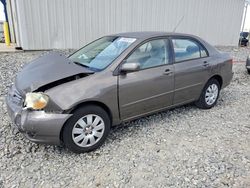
(2, 17)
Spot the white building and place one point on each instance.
(47, 24)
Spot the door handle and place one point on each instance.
(167, 72)
(205, 64)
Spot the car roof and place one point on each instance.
(149, 34)
(144, 35)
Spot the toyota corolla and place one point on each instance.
(75, 100)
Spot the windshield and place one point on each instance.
(102, 52)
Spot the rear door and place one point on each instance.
(151, 88)
(191, 64)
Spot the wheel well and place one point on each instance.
(103, 106)
(91, 103)
(218, 78)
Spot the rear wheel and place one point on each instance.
(209, 95)
(87, 129)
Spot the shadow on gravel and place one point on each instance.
(151, 121)
(120, 132)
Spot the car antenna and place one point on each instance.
(178, 23)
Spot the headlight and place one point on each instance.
(36, 101)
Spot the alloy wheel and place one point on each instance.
(88, 130)
(211, 94)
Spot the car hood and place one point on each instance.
(45, 70)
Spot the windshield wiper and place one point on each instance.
(83, 65)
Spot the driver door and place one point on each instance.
(152, 87)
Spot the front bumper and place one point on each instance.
(37, 126)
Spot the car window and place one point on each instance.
(150, 54)
(102, 52)
(203, 52)
(186, 49)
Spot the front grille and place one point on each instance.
(15, 96)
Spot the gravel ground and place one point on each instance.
(183, 147)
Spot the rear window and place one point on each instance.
(187, 49)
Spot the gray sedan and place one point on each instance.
(75, 100)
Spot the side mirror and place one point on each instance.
(130, 67)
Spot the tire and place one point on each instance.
(248, 70)
(80, 135)
(204, 102)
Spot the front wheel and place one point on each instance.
(209, 95)
(87, 129)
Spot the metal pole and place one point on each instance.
(6, 25)
(6, 33)
(244, 19)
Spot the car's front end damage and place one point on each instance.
(38, 119)
(37, 125)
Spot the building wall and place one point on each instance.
(47, 24)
